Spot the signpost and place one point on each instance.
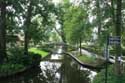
(106, 54)
(112, 40)
(115, 40)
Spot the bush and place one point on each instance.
(35, 58)
(16, 56)
(9, 68)
(100, 78)
(17, 62)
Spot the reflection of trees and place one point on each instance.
(78, 76)
(49, 74)
(34, 75)
(71, 73)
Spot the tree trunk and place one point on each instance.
(113, 12)
(2, 31)
(99, 17)
(80, 46)
(118, 33)
(27, 26)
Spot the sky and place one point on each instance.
(72, 1)
(57, 1)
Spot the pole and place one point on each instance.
(107, 58)
(106, 72)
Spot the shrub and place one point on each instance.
(100, 78)
(9, 68)
(17, 61)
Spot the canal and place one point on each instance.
(64, 71)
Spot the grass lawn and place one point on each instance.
(37, 51)
(86, 59)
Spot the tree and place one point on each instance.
(76, 25)
(27, 26)
(44, 9)
(99, 18)
(118, 27)
(2, 31)
(16, 17)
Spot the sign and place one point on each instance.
(114, 40)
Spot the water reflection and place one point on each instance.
(47, 73)
(73, 73)
(52, 72)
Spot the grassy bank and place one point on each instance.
(91, 60)
(18, 62)
(40, 52)
(87, 59)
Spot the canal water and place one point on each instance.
(65, 71)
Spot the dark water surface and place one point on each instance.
(66, 71)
